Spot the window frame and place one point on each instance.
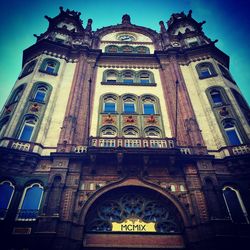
(210, 68)
(28, 69)
(10, 199)
(242, 206)
(43, 67)
(26, 118)
(23, 198)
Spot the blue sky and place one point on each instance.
(227, 20)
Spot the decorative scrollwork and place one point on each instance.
(149, 207)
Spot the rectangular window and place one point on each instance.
(233, 137)
(26, 132)
(109, 107)
(39, 96)
(129, 108)
(149, 109)
(111, 80)
(193, 44)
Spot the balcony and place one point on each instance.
(132, 142)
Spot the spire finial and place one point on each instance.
(126, 19)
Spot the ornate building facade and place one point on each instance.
(124, 138)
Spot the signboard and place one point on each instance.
(133, 225)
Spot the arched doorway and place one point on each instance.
(133, 217)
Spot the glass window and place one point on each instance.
(129, 107)
(29, 68)
(6, 193)
(149, 108)
(235, 205)
(50, 67)
(40, 94)
(128, 77)
(205, 71)
(30, 203)
(109, 107)
(27, 130)
(216, 97)
(232, 134)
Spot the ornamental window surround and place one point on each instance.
(205, 70)
(131, 132)
(129, 104)
(242, 104)
(6, 193)
(30, 202)
(225, 72)
(235, 205)
(28, 68)
(40, 94)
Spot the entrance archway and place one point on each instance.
(133, 217)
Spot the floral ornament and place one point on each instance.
(109, 119)
(35, 107)
(7, 109)
(224, 112)
(151, 119)
(130, 119)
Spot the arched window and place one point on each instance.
(127, 49)
(142, 50)
(30, 202)
(111, 76)
(110, 104)
(17, 93)
(148, 103)
(28, 128)
(129, 105)
(172, 188)
(205, 70)
(6, 194)
(130, 131)
(108, 131)
(235, 206)
(3, 125)
(50, 66)
(40, 94)
(225, 72)
(232, 132)
(242, 104)
(216, 97)
(28, 68)
(112, 49)
(152, 132)
(128, 77)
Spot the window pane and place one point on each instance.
(205, 72)
(233, 137)
(144, 80)
(128, 80)
(40, 95)
(216, 98)
(129, 107)
(234, 206)
(6, 191)
(31, 203)
(109, 107)
(26, 133)
(149, 109)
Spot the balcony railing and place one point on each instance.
(131, 142)
(27, 214)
